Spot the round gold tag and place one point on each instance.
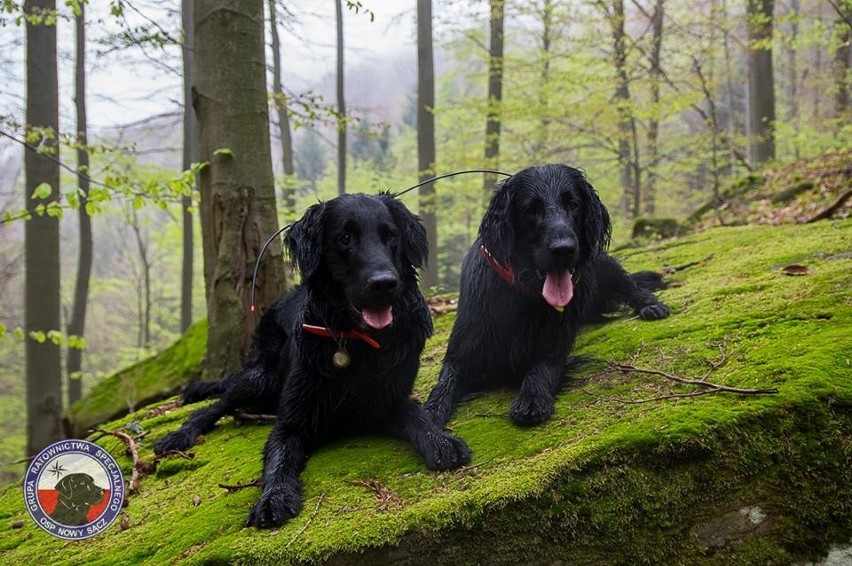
(341, 359)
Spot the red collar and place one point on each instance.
(352, 334)
(505, 271)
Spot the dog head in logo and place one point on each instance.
(77, 493)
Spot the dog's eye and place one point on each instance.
(345, 238)
(533, 208)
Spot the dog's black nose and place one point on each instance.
(384, 282)
(564, 247)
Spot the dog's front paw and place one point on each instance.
(275, 507)
(654, 311)
(174, 441)
(445, 452)
(529, 410)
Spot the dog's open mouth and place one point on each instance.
(558, 288)
(377, 316)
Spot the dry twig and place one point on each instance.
(239, 486)
(134, 454)
(308, 522)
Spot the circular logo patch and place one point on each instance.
(73, 489)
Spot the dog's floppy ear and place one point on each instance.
(496, 231)
(415, 244)
(596, 227)
(304, 240)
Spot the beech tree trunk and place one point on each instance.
(341, 105)
(237, 188)
(190, 155)
(761, 83)
(77, 324)
(626, 124)
(654, 123)
(41, 237)
(284, 133)
(426, 136)
(493, 117)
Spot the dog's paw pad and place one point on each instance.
(528, 410)
(447, 452)
(274, 508)
(174, 441)
(654, 311)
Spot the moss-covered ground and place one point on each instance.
(715, 479)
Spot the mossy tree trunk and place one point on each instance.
(426, 135)
(41, 234)
(237, 189)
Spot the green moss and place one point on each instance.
(604, 481)
(155, 378)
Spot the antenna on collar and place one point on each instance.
(394, 195)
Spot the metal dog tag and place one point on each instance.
(341, 358)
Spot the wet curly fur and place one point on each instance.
(542, 219)
(353, 252)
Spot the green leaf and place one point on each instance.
(224, 151)
(56, 337)
(2, 330)
(42, 191)
(138, 202)
(38, 336)
(54, 209)
(18, 333)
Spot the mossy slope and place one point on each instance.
(717, 479)
(154, 378)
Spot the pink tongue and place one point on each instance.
(558, 288)
(377, 317)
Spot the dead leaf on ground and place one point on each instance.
(385, 498)
(795, 269)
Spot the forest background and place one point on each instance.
(659, 101)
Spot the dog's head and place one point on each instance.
(546, 220)
(361, 248)
(79, 490)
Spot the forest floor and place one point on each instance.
(632, 468)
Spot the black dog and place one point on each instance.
(77, 493)
(537, 271)
(337, 355)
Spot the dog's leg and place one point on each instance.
(614, 278)
(440, 450)
(534, 403)
(444, 397)
(284, 459)
(241, 391)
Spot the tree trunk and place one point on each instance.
(426, 136)
(341, 105)
(626, 124)
(792, 77)
(237, 188)
(540, 149)
(495, 96)
(841, 69)
(143, 289)
(190, 155)
(41, 233)
(761, 82)
(654, 123)
(77, 324)
(283, 117)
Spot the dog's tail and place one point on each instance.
(201, 390)
(649, 280)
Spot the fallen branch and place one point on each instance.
(134, 454)
(670, 270)
(828, 212)
(239, 486)
(712, 387)
(308, 522)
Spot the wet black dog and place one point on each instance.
(538, 270)
(339, 354)
(77, 493)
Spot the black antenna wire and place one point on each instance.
(394, 195)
